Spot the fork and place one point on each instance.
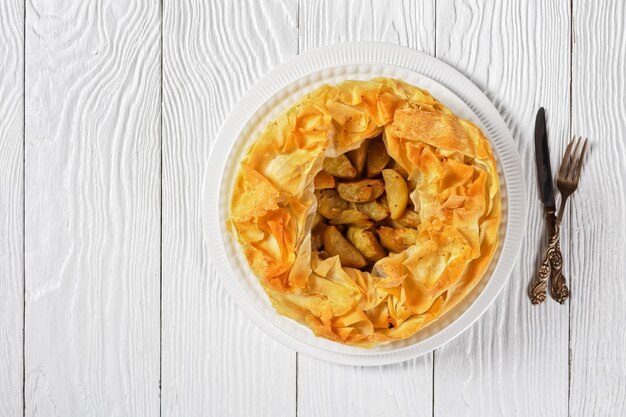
(566, 182)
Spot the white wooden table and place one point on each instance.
(109, 305)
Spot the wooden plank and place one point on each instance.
(404, 23)
(596, 212)
(404, 389)
(92, 197)
(11, 206)
(514, 360)
(214, 361)
(399, 390)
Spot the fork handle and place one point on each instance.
(539, 286)
(558, 285)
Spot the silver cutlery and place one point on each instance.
(567, 181)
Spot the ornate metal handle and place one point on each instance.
(558, 286)
(537, 292)
(538, 289)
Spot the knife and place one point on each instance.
(542, 159)
(538, 288)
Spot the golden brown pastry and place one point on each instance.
(367, 254)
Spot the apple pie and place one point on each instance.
(367, 210)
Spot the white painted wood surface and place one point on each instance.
(116, 103)
(11, 205)
(597, 216)
(92, 198)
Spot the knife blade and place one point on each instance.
(542, 159)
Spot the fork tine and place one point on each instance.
(565, 162)
(573, 158)
(572, 167)
(579, 164)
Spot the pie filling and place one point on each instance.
(363, 207)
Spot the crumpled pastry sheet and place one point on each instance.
(455, 189)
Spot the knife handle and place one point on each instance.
(539, 286)
(558, 285)
(537, 291)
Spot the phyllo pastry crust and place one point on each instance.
(367, 210)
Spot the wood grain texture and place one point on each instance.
(406, 23)
(11, 206)
(398, 390)
(404, 389)
(214, 360)
(92, 208)
(514, 360)
(597, 264)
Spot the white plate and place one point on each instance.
(280, 89)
